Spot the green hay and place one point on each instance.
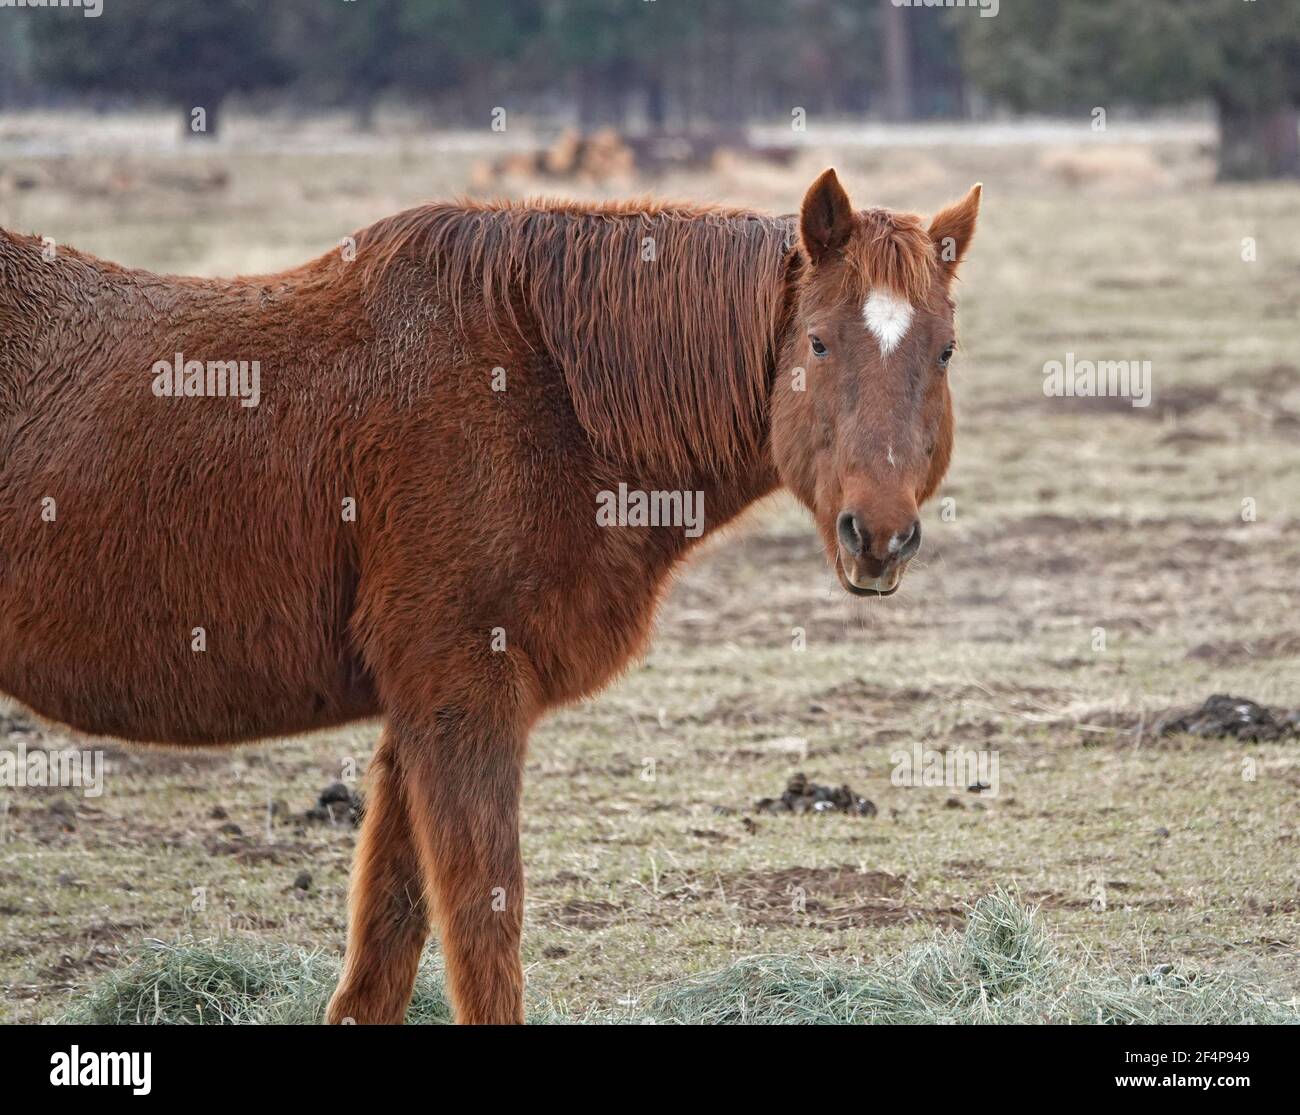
(1002, 968)
(230, 982)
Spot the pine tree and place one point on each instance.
(1243, 56)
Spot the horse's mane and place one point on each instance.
(663, 319)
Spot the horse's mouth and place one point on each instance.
(884, 585)
(870, 591)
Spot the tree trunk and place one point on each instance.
(1258, 141)
(728, 94)
(656, 103)
(591, 98)
(363, 110)
(897, 44)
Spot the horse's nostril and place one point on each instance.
(853, 536)
(905, 544)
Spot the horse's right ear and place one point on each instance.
(952, 229)
(826, 218)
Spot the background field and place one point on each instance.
(646, 861)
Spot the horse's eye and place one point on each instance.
(946, 355)
(818, 348)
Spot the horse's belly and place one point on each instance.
(112, 651)
(158, 698)
(118, 705)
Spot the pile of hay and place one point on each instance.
(1002, 968)
(603, 157)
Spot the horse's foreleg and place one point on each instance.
(388, 920)
(462, 779)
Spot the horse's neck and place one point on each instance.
(719, 494)
(736, 494)
(726, 489)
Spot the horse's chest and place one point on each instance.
(595, 621)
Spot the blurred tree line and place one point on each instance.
(667, 64)
(1243, 56)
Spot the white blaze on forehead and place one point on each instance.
(888, 317)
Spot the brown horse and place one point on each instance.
(406, 517)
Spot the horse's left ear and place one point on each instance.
(951, 229)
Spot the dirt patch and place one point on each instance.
(1278, 379)
(72, 966)
(92, 948)
(251, 851)
(1113, 896)
(832, 897)
(967, 868)
(1235, 651)
(1187, 439)
(858, 700)
(1174, 401)
(585, 913)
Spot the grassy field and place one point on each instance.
(646, 861)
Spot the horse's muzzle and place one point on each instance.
(886, 584)
(873, 565)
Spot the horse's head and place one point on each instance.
(862, 421)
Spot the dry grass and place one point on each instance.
(1071, 516)
(1002, 968)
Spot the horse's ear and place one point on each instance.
(826, 218)
(952, 229)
